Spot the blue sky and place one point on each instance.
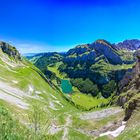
(58, 25)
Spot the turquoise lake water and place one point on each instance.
(66, 86)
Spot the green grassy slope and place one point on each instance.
(23, 88)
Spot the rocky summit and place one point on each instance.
(10, 50)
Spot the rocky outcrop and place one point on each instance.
(129, 90)
(10, 50)
(131, 45)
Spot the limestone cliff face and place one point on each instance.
(129, 90)
(10, 50)
(104, 48)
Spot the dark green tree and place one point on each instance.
(109, 88)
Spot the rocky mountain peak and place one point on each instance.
(10, 50)
(131, 45)
(103, 47)
(102, 41)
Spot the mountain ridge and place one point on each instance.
(132, 44)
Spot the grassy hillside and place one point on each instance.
(26, 92)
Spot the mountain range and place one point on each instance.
(99, 63)
(103, 103)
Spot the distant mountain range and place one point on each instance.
(110, 52)
(130, 45)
